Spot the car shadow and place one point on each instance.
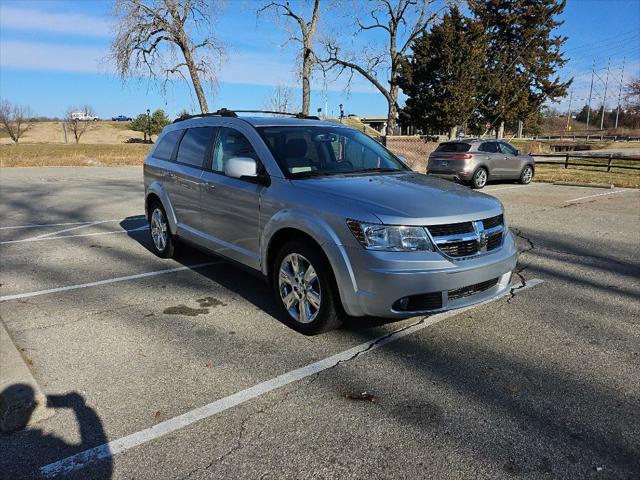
(243, 281)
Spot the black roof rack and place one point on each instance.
(224, 112)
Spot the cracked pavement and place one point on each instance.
(543, 383)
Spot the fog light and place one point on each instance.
(403, 303)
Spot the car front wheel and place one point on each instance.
(527, 175)
(303, 287)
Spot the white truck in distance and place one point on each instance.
(83, 117)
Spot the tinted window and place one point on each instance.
(193, 146)
(231, 143)
(489, 147)
(507, 149)
(452, 147)
(164, 150)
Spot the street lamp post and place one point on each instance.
(149, 124)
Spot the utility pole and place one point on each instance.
(620, 91)
(593, 71)
(569, 112)
(604, 99)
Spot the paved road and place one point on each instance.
(543, 384)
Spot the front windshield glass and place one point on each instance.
(305, 151)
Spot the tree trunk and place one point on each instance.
(453, 132)
(392, 113)
(307, 64)
(501, 130)
(195, 79)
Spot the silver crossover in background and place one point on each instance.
(474, 162)
(337, 224)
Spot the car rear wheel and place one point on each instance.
(303, 287)
(479, 179)
(163, 241)
(526, 175)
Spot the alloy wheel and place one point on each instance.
(480, 178)
(159, 229)
(299, 288)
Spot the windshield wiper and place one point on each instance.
(375, 170)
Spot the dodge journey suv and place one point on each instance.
(337, 224)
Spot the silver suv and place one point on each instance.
(476, 161)
(335, 222)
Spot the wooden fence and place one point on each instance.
(604, 161)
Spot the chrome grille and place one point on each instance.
(466, 239)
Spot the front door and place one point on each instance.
(231, 206)
(512, 162)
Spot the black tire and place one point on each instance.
(479, 179)
(526, 175)
(168, 248)
(327, 315)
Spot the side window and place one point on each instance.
(507, 149)
(489, 147)
(164, 150)
(231, 143)
(194, 145)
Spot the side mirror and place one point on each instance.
(239, 167)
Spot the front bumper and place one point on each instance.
(372, 282)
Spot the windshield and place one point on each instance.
(304, 151)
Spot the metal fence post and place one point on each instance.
(609, 163)
(566, 161)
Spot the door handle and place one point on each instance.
(209, 186)
(169, 175)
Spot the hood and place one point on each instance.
(406, 199)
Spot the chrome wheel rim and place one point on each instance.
(299, 288)
(527, 175)
(481, 178)
(158, 227)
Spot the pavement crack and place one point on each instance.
(520, 267)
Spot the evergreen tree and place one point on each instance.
(442, 75)
(523, 57)
(150, 125)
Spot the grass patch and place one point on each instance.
(83, 155)
(617, 176)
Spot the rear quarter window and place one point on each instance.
(453, 147)
(164, 149)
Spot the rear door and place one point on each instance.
(183, 180)
(231, 206)
(494, 158)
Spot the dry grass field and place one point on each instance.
(60, 155)
(618, 177)
(103, 132)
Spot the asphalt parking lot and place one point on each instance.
(181, 369)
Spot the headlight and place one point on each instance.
(390, 238)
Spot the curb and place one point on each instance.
(584, 184)
(22, 401)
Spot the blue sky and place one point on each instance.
(53, 55)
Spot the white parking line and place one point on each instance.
(56, 232)
(506, 188)
(599, 195)
(128, 442)
(41, 225)
(42, 239)
(19, 296)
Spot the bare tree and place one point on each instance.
(14, 119)
(401, 22)
(163, 38)
(280, 100)
(305, 37)
(78, 121)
